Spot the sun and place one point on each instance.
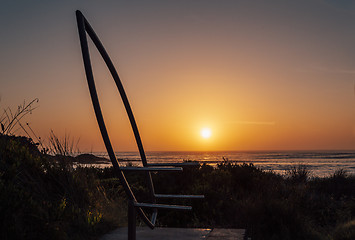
(206, 133)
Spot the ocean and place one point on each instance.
(319, 163)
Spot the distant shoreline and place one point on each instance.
(319, 163)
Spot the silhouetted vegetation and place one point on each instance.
(40, 197)
(10, 121)
(268, 205)
(45, 199)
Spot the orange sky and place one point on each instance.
(275, 75)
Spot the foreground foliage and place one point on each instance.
(40, 197)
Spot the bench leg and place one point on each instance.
(131, 221)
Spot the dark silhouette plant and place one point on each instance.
(9, 120)
(65, 146)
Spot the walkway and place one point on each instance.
(145, 233)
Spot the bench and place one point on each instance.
(134, 207)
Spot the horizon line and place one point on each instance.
(292, 150)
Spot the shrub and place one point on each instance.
(345, 231)
(39, 198)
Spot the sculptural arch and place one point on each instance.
(84, 28)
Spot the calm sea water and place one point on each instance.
(320, 163)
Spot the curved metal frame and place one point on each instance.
(133, 206)
(83, 28)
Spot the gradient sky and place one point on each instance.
(262, 75)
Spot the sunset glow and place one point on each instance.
(256, 75)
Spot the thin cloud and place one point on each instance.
(343, 71)
(254, 123)
(331, 70)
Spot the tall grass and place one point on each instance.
(10, 121)
(65, 146)
(299, 173)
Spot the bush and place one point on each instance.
(41, 198)
(345, 231)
